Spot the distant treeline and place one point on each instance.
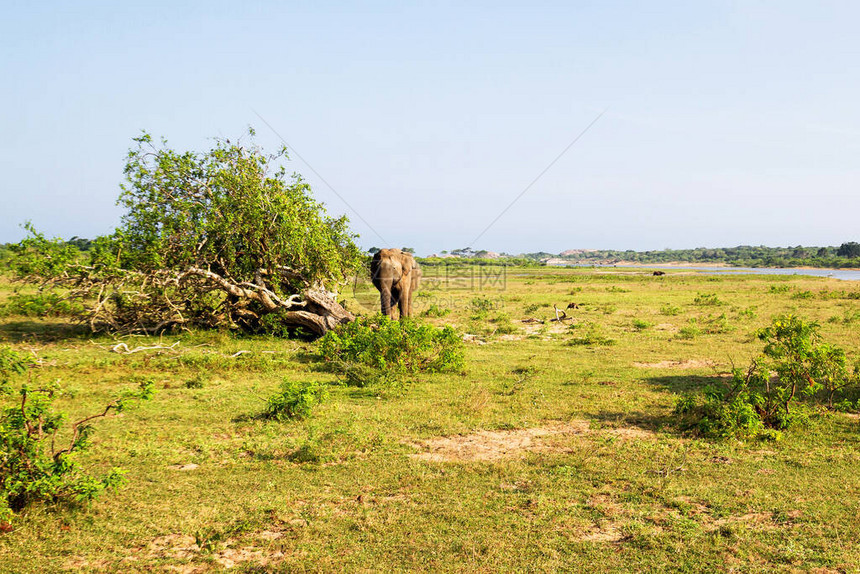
(460, 261)
(6, 248)
(846, 255)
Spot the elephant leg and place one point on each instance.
(396, 300)
(413, 286)
(386, 301)
(406, 301)
(409, 305)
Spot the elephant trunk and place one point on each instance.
(386, 300)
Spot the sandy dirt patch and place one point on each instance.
(227, 555)
(554, 327)
(511, 337)
(189, 466)
(495, 445)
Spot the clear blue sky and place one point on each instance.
(728, 122)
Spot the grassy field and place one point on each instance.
(556, 450)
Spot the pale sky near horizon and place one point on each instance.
(727, 122)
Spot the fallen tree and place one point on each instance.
(221, 238)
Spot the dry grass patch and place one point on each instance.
(609, 533)
(685, 364)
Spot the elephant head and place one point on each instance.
(396, 274)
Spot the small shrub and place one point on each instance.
(748, 313)
(803, 295)
(847, 406)
(851, 316)
(196, 383)
(691, 331)
(480, 307)
(719, 415)
(12, 363)
(777, 289)
(42, 304)
(757, 404)
(670, 310)
(435, 310)
(707, 300)
(37, 461)
(295, 400)
(641, 325)
(375, 349)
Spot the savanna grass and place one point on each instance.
(340, 489)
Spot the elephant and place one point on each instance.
(396, 274)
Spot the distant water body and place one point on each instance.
(844, 274)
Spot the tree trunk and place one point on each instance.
(321, 313)
(315, 309)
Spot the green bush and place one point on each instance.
(435, 310)
(670, 310)
(850, 316)
(480, 307)
(748, 313)
(641, 325)
(755, 404)
(805, 365)
(37, 459)
(198, 382)
(11, 364)
(378, 348)
(722, 413)
(295, 400)
(42, 304)
(690, 331)
(707, 300)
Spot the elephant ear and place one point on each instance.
(407, 262)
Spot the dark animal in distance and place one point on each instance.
(659, 273)
(572, 306)
(396, 275)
